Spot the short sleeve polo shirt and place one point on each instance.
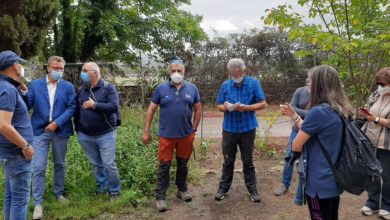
(325, 124)
(249, 93)
(11, 101)
(176, 108)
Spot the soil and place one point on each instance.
(237, 204)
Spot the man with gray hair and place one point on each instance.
(96, 122)
(53, 102)
(239, 98)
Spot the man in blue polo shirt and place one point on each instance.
(239, 99)
(16, 137)
(180, 112)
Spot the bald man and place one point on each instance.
(96, 123)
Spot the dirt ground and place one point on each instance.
(237, 204)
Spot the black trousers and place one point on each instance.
(163, 178)
(323, 209)
(379, 196)
(245, 141)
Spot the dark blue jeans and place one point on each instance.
(288, 170)
(17, 186)
(245, 141)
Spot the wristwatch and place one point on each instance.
(26, 147)
(377, 119)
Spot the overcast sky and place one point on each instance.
(233, 16)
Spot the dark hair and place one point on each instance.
(383, 75)
(326, 87)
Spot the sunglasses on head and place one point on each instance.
(176, 62)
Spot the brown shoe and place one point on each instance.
(185, 196)
(282, 189)
(161, 205)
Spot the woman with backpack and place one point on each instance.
(322, 124)
(377, 128)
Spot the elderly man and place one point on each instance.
(96, 123)
(53, 101)
(179, 103)
(16, 137)
(239, 99)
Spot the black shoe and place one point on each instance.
(221, 194)
(254, 196)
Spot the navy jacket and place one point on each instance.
(63, 108)
(101, 119)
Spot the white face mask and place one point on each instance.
(21, 71)
(383, 89)
(238, 80)
(177, 78)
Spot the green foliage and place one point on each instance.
(112, 30)
(355, 35)
(24, 24)
(263, 133)
(137, 167)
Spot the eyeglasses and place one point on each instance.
(177, 61)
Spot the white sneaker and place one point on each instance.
(368, 211)
(384, 214)
(63, 200)
(38, 212)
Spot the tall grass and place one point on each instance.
(137, 168)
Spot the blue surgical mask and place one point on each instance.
(56, 75)
(84, 77)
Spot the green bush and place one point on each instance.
(137, 168)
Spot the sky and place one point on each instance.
(233, 16)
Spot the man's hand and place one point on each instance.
(28, 153)
(241, 108)
(51, 127)
(146, 138)
(89, 103)
(23, 88)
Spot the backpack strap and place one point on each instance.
(327, 156)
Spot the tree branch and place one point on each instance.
(335, 17)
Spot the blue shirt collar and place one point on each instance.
(10, 80)
(173, 85)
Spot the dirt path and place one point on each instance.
(237, 205)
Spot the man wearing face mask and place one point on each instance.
(96, 123)
(180, 113)
(239, 98)
(53, 102)
(16, 138)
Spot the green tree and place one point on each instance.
(354, 34)
(119, 30)
(24, 24)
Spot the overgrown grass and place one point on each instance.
(137, 168)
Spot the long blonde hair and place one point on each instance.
(326, 87)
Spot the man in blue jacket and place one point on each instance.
(53, 102)
(96, 123)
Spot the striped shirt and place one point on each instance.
(250, 92)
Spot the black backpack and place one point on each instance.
(117, 114)
(357, 168)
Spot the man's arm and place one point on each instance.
(197, 115)
(148, 122)
(9, 132)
